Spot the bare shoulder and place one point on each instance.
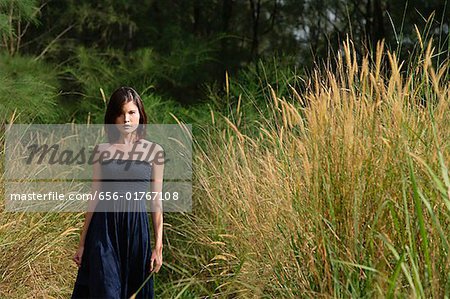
(155, 151)
(103, 146)
(100, 148)
(153, 146)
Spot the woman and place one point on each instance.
(114, 254)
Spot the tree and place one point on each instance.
(15, 19)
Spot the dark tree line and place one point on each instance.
(196, 41)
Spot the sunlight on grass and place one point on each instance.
(341, 191)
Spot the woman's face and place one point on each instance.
(128, 121)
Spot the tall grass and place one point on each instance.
(344, 190)
(341, 191)
(35, 249)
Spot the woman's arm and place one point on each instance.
(156, 209)
(88, 215)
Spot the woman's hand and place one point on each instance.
(78, 255)
(156, 259)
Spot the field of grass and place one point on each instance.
(342, 190)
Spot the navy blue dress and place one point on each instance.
(117, 250)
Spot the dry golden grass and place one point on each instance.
(341, 193)
(321, 203)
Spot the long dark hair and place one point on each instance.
(118, 99)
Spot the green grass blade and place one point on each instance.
(421, 220)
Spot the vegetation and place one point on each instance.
(323, 181)
(342, 191)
